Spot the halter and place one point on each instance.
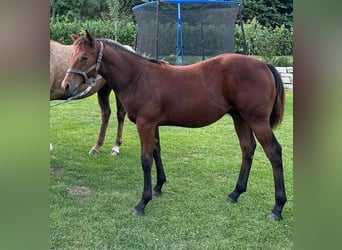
(91, 81)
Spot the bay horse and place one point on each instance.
(155, 94)
(59, 60)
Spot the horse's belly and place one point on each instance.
(196, 117)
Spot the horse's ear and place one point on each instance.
(74, 37)
(89, 38)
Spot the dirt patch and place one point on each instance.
(56, 169)
(79, 191)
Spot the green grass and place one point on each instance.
(201, 165)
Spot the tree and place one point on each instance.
(92, 10)
(78, 9)
(269, 13)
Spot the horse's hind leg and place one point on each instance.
(273, 151)
(103, 100)
(161, 178)
(120, 115)
(247, 144)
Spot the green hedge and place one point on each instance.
(121, 31)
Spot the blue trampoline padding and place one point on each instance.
(186, 1)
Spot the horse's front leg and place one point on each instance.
(103, 100)
(146, 134)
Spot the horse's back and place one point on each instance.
(59, 59)
(227, 76)
(227, 81)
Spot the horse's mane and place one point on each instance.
(119, 46)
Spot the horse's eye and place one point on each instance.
(84, 57)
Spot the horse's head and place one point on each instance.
(83, 65)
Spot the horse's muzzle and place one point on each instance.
(68, 90)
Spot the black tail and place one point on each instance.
(279, 102)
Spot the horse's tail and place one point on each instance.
(279, 102)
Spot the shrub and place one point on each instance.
(122, 31)
(282, 61)
(284, 40)
(263, 41)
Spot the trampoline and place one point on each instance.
(186, 31)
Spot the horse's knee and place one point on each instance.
(146, 162)
(121, 114)
(248, 150)
(106, 115)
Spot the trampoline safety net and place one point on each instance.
(184, 32)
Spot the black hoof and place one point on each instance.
(136, 212)
(274, 217)
(157, 193)
(93, 151)
(232, 200)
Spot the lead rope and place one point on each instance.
(83, 93)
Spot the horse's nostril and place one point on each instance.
(67, 89)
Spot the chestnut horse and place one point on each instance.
(59, 60)
(155, 93)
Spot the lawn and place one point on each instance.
(91, 196)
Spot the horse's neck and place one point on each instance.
(120, 69)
